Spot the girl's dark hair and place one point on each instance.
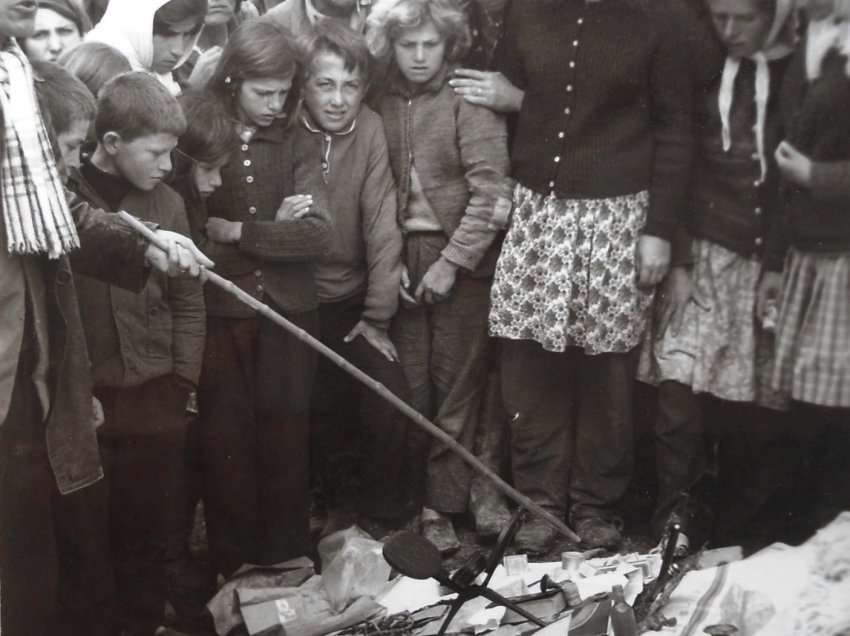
(210, 133)
(177, 11)
(258, 49)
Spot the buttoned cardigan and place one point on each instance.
(273, 259)
(608, 102)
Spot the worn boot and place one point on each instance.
(438, 529)
(535, 537)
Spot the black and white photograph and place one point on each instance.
(424, 317)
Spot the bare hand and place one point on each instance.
(180, 257)
(437, 283)
(487, 88)
(97, 412)
(653, 260)
(204, 67)
(404, 289)
(794, 165)
(223, 231)
(247, 10)
(294, 207)
(770, 286)
(676, 292)
(376, 337)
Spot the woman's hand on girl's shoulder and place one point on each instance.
(490, 89)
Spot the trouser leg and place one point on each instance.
(228, 441)
(29, 562)
(537, 387)
(143, 442)
(605, 436)
(458, 369)
(285, 372)
(680, 456)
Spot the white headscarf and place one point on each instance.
(775, 46)
(127, 25)
(823, 36)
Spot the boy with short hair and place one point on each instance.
(145, 349)
(70, 109)
(358, 280)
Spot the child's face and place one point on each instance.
(333, 94)
(220, 12)
(262, 100)
(53, 35)
(207, 176)
(742, 25)
(170, 47)
(419, 53)
(144, 161)
(71, 140)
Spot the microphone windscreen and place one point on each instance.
(413, 555)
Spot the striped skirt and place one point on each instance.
(813, 329)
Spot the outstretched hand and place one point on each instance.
(375, 336)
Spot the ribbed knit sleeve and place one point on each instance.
(381, 233)
(482, 139)
(671, 92)
(831, 181)
(293, 240)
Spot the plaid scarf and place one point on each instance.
(35, 211)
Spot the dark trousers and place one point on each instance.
(572, 429)
(254, 399)
(822, 439)
(143, 446)
(746, 448)
(347, 413)
(444, 350)
(55, 575)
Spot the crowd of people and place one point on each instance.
(512, 214)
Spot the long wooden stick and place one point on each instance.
(377, 387)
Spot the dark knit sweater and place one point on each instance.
(273, 260)
(608, 102)
(816, 115)
(728, 204)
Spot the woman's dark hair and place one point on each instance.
(258, 49)
(177, 11)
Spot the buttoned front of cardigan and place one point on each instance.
(608, 103)
(273, 258)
